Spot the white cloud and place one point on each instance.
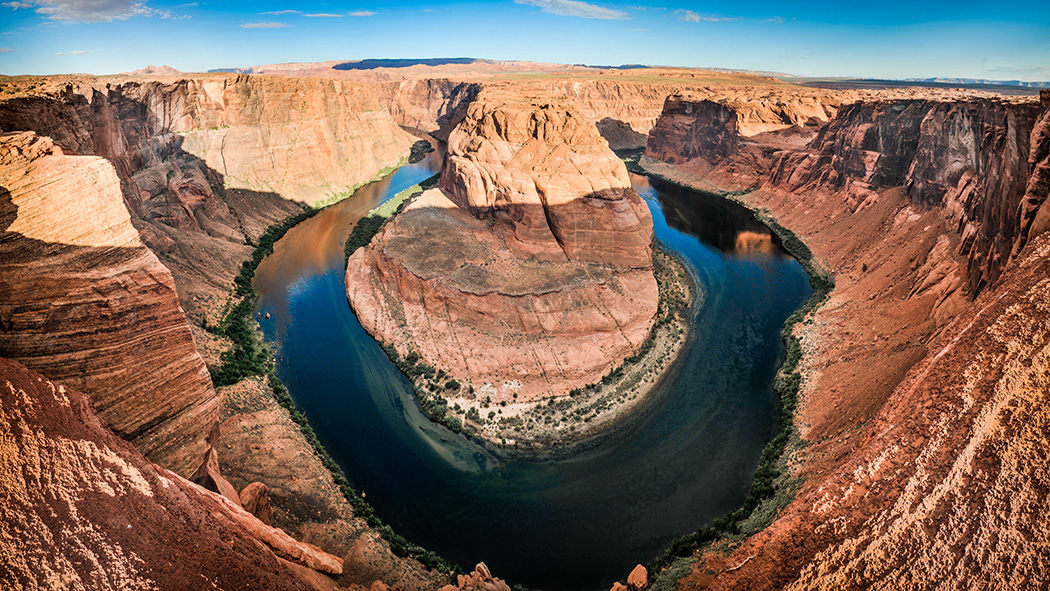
(91, 11)
(270, 25)
(776, 19)
(5, 50)
(692, 17)
(77, 52)
(281, 12)
(365, 13)
(324, 15)
(575, 8)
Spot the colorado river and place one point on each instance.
(582, 520)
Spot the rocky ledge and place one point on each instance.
(528, 273)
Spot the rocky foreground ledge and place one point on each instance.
(527, 275)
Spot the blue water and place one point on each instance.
(582, 519)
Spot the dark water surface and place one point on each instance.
(582, 520)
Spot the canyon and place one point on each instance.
(924, 376)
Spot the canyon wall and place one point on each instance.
(84, 301)
(433, 105)
(694, 128)
(85, 510)
(206, 164)
(969, 157)
(923, 409)
(528, 270)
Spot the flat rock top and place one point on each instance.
(433, 238)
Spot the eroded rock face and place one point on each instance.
(690, 129)
(1033, 212)
(206, 164)
(83, 509)
(545, 172)
(968, 156)
(529, 269)
(84, 301)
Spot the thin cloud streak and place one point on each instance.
(265, 26)
(691, 17)
(575, 8)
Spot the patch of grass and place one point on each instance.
(370, 225)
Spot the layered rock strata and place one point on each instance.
(969, 157)
(528, 271)
(206, 164)
(83, 509)
(922, 408)
(84, 301)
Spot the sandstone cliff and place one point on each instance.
(84, 301)
(969, 157)
(207, 163)
(690, 128)
(922, 409)
(529, 270)
(83, 509)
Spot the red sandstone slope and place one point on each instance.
(84, 301)
(925, 412)
(529, 271)
(83, 509)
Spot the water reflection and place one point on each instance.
(719, 223)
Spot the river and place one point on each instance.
(577, 520)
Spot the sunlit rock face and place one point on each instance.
(82, 300)
(528, 269)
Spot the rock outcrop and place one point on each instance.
(84, 301)
(528, 271)
(968, 156)
(206, 164)
(690, 129)
(923, 408)
(480, 579)
(83, 509)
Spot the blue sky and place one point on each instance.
(891, 39)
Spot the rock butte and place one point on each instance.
(924, 399)
(528, 270)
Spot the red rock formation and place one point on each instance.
(478, 580)
(83, 509)
(1033, 212)
(968, 156)
(547, 173)
(923, 469)
(208, 474)
(207, 163)
(690, 129)
(255, 498)
(549, 291)
(84, 301)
